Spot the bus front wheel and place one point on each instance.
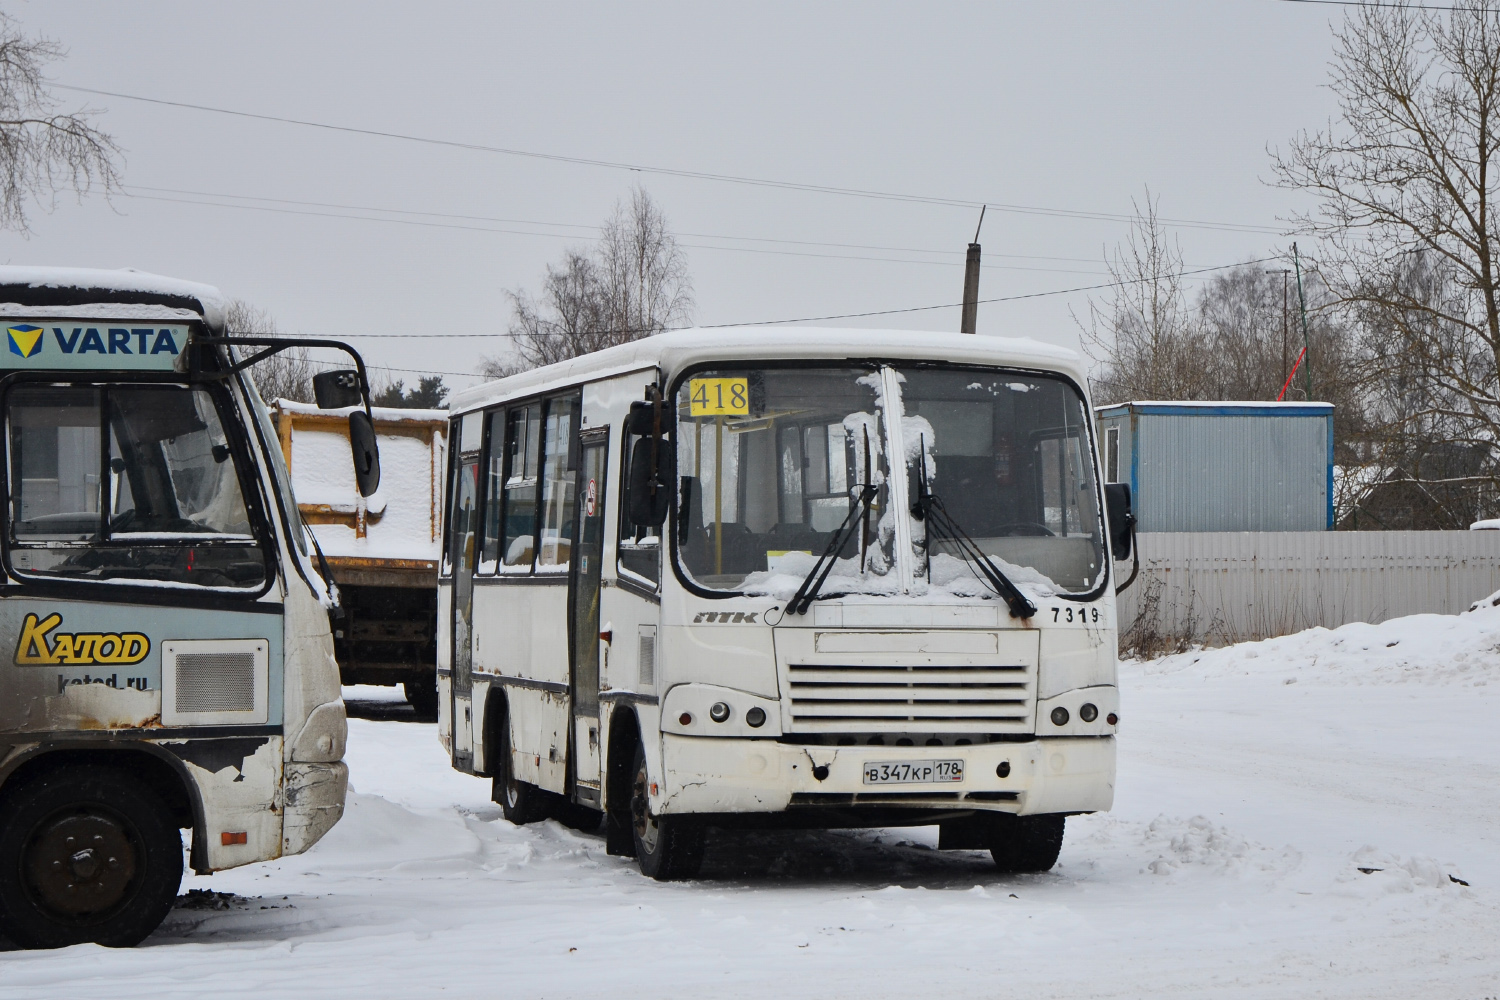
(87, 854)
(667, 847)
(1023, 844)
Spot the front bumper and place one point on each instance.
(314, 802)
(717, 775)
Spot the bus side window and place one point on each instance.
(638, 552)
(523, 445)
(494, 492)
(559, 484)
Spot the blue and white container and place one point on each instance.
(1222, 466)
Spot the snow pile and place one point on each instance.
(1427, 649)
(1198, 843)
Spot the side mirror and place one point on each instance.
(366, 452)
(650, 494)
(337, 389)
(1121, 519)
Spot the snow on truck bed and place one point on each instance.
(1290, 820)
(401, 515)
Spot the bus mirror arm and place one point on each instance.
(333, 389)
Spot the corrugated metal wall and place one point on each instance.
(1199, 472)
(1223, 587)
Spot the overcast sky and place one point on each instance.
(1078, 107)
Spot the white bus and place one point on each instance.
(165, 626)
(803, 577)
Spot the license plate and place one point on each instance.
(906, 772)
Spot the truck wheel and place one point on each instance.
(668, 847)
(423, 697)
(1025, 843)
(520, 801)
(86, 854)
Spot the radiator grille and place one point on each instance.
(873, 698)
(646, 660)
(215, 682)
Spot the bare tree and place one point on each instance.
(1404, 180)
(287, 375)
(645, 273)
(1141, 335)
(42, 149)
(635, 283)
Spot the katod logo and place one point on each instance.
(25, 340)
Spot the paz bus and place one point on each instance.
(166, 626)
(804, 577)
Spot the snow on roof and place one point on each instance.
(1218, 405)
(69, 282)
(391, 413)
(676, 350)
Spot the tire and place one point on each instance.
(1025, 844)
(113, 890)
(423, 697)
(668, 848)
(520, 801)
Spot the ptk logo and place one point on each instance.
(25, 340)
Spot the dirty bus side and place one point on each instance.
(167, 662)
(823, 578)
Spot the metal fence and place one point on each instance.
(1224, 587)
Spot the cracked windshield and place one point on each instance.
(771, 465)
(1008, 460)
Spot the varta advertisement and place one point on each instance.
(73, 345)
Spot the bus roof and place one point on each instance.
(672, 352)
(52, 289)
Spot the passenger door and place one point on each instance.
(583, 611)
(463, 538)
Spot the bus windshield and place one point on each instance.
(1007, 455)
(772, 463)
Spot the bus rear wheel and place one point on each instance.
(421, 695)
(87, 854)
(668, 847)
(1022, 844)
(521, 802)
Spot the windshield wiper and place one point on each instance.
(813, 582)
(929, 508)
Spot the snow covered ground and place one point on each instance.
(1257, 783)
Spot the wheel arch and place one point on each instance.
(496, 707)
(157, 766)
(624, 734)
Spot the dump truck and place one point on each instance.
(382, 550)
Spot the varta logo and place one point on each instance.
(77, 648)
(120, 341)
(25, 340)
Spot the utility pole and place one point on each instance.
(970, 317)
(1283, 271)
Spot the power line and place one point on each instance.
(516, 232)
(833, 316)
(570, 225)
(1377, 3)
(678, 172)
